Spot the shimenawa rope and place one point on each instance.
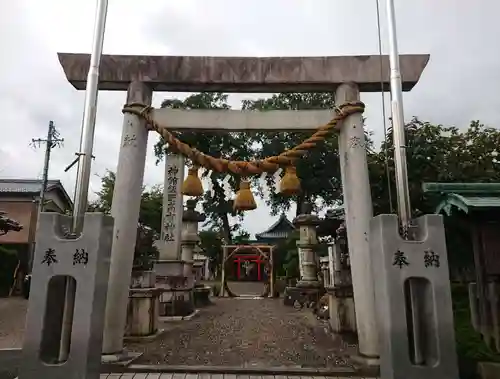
(246, 168)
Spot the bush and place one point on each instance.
(9, 262)
(216, 290)
(470, 345)
(145, 253)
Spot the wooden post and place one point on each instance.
(238, 270)
(223, 273)
(481, 282)
(271, 271)
(258, 269)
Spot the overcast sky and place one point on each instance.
(460, 83)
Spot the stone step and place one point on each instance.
(131, 375)
(238, 372)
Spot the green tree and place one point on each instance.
(211, 244)
(438, 153)
(220, 145)
(319, 171)
(151, 208)
(287, 257)
(435, 153)
(150, 217)
(242, 237)
(105, 194)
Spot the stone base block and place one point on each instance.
(123, 358)
(488, 370)
(301, 297)
(148, 338)
(142, 312)
(176, 303)
(366, 361)
(143, 279)
(180, 318)
(166, 267)
(201, 296)
(309, 284)
(342, 314)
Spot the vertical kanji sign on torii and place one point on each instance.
(170, 245)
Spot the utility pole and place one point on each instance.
(50, 142)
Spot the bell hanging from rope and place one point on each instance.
(290, 183)
(192, 184)
(244, 200)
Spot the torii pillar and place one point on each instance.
(226, 74)
(358, 213)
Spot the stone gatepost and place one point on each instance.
(84, 261)
(340, 293)
(324, 265)
(420, 264)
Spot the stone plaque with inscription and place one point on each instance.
(170, 244)
(84, 261)
(411, 278)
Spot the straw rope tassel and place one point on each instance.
(192, 185)
(290, 183)
(244, 200)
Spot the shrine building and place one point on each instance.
(277, 232)
(249, 262)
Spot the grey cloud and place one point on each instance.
(459, 84)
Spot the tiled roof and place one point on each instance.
(465, 196)
(31, 186)
(280, 229)
(24, 185)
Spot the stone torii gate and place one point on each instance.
(141, 75)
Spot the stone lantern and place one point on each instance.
(308, 289)
(189, 239)
(307, 245)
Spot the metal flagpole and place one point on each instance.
(84, 162)
(89, 115)
(403, 192)
(398, 127)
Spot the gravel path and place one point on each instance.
(246, 288)
(246, 332)
(12, 320)
(232, 332)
